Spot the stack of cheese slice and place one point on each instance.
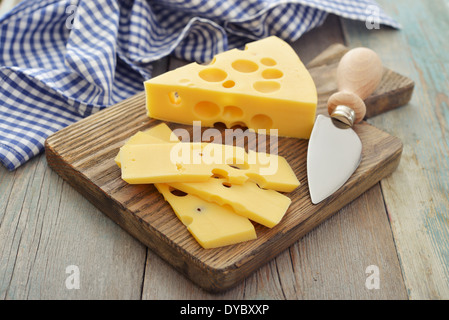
(214, 189)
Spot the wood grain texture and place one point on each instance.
(417, 194)
(300, 266)
(328, 263)
(83, 155)
(47, 226)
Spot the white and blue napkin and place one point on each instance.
(62, 60)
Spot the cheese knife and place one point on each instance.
(335, 150)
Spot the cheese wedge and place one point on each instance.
(265, 86)
(210, 224)
(198, 162)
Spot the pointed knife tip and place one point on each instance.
(314, 198)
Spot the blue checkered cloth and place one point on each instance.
(62, 60)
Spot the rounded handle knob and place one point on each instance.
(358, 75)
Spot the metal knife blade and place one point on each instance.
(334, 152)
(333, 155)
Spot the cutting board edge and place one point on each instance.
(210, 278)
(294, 234)
(136, 227)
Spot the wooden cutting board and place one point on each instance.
(83, 154)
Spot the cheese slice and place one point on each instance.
(160, 133)
(210, 224)
(198, 162)
(139, 138)
(265, 86)
(266, 207)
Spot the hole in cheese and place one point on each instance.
(179, 167)
(268, 62)
(177, 192)
(174, 98)
(206, 109)
(266, 86)
(272, 73)
(213, 75)
(226, 184)
(261, 121)
(237, 164)
(219, 125)
(232, 112)
(238, 125)
(245, 66)
(228, 84)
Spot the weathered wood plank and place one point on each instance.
(328, 263)
(294, 265)
(107, 277)
(417, 194)
(83, 154)
(46, 226)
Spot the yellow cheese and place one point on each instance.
(162, 132)
(266, 207)
(139, 138)
(198, 162)
(158, 134)
(265, 86)
(210, 224)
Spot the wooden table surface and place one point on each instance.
(397, 232)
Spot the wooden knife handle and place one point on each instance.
(358, 75)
